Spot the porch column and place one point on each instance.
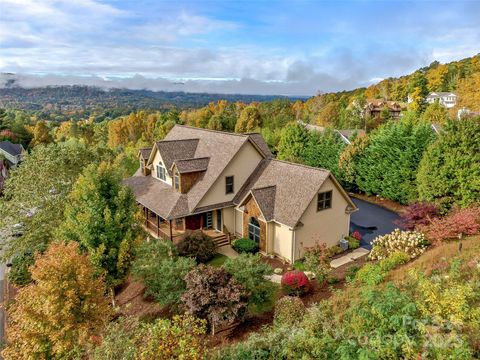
(145, 211)
(171, 234)
(158, 225)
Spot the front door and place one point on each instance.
(193, 222)
(219, 220)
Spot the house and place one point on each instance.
(13, 153)
(375, 107)
(345, 135)
(447, 99)
(230, 186)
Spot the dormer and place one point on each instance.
(186, 173)
(143, 155)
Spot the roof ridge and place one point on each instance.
(302, 165)
(211, 130)
(165, 141)
(194, 158)
(264, 187)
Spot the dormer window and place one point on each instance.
(161, 172)
(176, 181)
(324, 201)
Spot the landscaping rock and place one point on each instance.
(310, 275)
(278, 271)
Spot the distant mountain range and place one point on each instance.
(73, 98)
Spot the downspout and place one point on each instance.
(293, 245)
(171, 234)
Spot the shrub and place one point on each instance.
(19, 274)
(250, 271)
(334, 250)
(245, 246)
(458, 222)
(317, 260)
(351, 272)
(159, 268)
(353, 243)
(356, 235)
(299, 265)
(411, 243)
(295, 283)
(198, 245)
(418, 214)
(370, 274)
(289, 310)
(213, 294)
(394, 260)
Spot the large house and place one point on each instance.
(230, 186)
(345, 135)
(375, 107)
(447, 99)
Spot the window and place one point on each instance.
(161, 172)
(176, 181)
(254, 230)
(229, 185)
(179, 223)
(324, 201)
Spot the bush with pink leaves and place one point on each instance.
(357, 235)
(459, 222)
(295, 282)
(418, 214)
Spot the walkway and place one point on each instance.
(227, 250)
(350, 257)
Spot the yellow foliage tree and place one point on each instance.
(61, 312)
(40, 133)
(468, 92)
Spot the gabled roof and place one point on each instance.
(191, 165)
(258, 140)
(12, 149)
(145, 153)
(283, 190)
(436, 94)
(171, 150)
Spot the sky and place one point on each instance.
(247, 47)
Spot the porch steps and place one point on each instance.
(221, 240)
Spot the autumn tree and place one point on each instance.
(435, 113)
(57, 316)
(100, 216)
(41, 134)
(249, 119)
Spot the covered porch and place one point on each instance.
(173, 230)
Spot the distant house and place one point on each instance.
(345, 135)
(466, 113)
(437, 128)
(230, 186)
(447, 99)
(13, 153)
(374, 108)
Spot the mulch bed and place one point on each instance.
(377, 200)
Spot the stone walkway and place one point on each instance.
(350, 257)
(227, 250)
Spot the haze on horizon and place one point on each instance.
(245, 47)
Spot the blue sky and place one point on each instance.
(261, 47)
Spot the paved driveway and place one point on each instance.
(371, 221)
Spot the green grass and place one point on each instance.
(218, 260)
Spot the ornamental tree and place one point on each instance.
(57, 316)
(213, 294)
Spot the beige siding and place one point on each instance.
(282, 241)
(327, 226)
(241, 167)
(228, 219)
(238, 222)
(270, 237)
(156, 160)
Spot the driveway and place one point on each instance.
(371, 221)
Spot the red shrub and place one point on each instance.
(459, 221)
(7, 135)
(357, 235)
(418, 214)
(295, 282)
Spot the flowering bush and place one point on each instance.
(317, 260)
(411, 243)
(295, 282)
(458, 222)
(418, 214)
(357, 235)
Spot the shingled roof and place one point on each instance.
(12, 149)
(191, 165)
(283, 190)
(145, 153)
(173, 149)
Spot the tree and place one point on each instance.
(291, 146)
(449, 173)
(197, 245)
(250, 271)
(36, 192)
(249, 119)
(388, 165)
(162, 271)
(58, 314)
(100, 216)
(41, 134)
(214, 295)
(435, 113)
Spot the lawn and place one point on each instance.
(218, 260)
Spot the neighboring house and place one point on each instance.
(13, 153)
(230, 186)
(447, 99)
(466, 113)
(374, 108)
(345, 135)
(437, 128)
